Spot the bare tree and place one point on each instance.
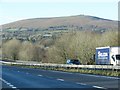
(11, 48)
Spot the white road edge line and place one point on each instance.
(62, 72)
(99, 87)
(9, 84)
(109, 77)
(60, 79)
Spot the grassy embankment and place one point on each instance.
(75, 70)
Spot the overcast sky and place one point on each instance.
(13, 10)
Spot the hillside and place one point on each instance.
(53, 40)
(80, 22)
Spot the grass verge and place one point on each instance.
(84, 71)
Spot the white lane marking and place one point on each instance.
(92, 86)
(60, 79)
(81, 83)
(99, 87)
(13, 87)
(9, 84)
(40, 75)
(27, 73)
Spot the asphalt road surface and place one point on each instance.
(23, 78)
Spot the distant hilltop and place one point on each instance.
(78, 22)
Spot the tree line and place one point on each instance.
(75, 44)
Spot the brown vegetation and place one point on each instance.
(79, 45)
(71, 22)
